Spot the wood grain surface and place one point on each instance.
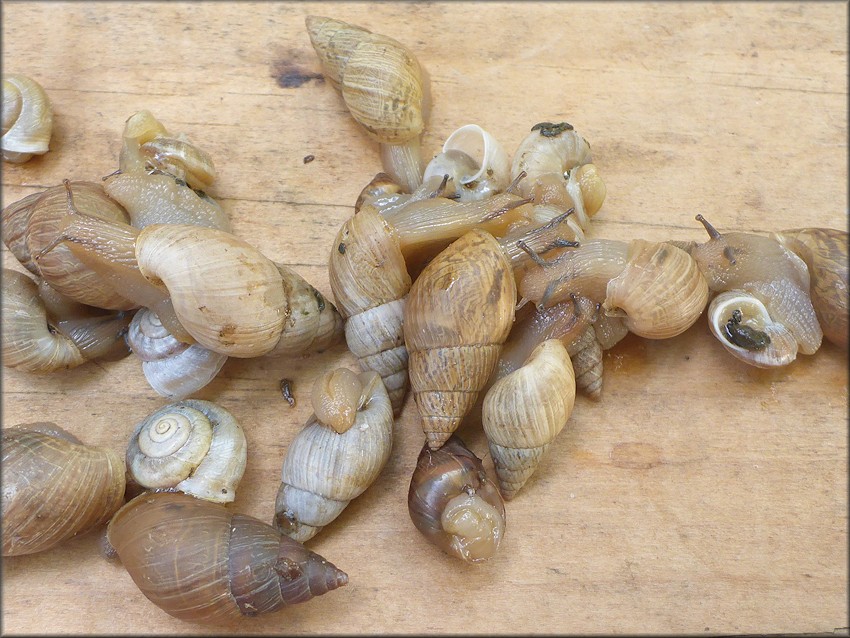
(699, 495)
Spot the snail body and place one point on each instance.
(825, 252)
(337, 455)
(525, 410)
(199, 562)
(383, 86)
(453, 503)
(27, 118)
(54, 487)
(458, 314)
(191, 446)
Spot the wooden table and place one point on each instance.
(699, 495)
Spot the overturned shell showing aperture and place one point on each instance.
(192, 446)
(27, 118)
(54, 487)
(459, 312)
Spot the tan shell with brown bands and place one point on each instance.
(55, 488)
(459, 312)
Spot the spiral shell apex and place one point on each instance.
(27, 118)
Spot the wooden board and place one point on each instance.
(699, 495)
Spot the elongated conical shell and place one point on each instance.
(586, 356)
(524, 411)
(199, 562)
(459, 312)
(54, 487)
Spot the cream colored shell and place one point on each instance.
(27, 118)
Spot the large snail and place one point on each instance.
(200, 562)
(191, 446)
(55, 487)
(337, 455)
(384, 87)
(453, 503)
(43, 332)
(762, 314)
(27, 118)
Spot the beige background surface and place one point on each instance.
(699, 495)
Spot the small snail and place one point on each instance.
(173, 368)
(33, 223)
(766, 315)
(162, 178)
(384, 88)
(525, 410)
(42, 332)
(550, 148)
(199, 562)
(453, 503)
(825, 252)
(27, 118)
(339, 453)
(208, 286)
(191, 446)
(655, 287)
(54, 487)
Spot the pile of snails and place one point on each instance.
(470, 279)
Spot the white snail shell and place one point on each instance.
(192, 446)
(27, 118)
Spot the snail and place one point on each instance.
(208, 286)
(199, 562)
(384, 88)
(475, 162)
(191, 446)
(162, 179)
(337, 455)
(33, 223)
(453, 503)
(54, 487)
(43, 332)
(825, 252)
(655, 287)
(173, 368)
(27, 118)
(764, 315)
(525, 410)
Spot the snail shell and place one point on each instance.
(37, 341)
(339, 453)
(524, 411)
(27, 118)
(458, 314)
(549, 148)
(453, 503)
(199, 562)
(825, 252)
(54, 487)
(192, 446)
(35, 222)
(173, 368)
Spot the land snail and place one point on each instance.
(163, 178)
(43, 332)
(27, 119)
(656, 288)
(369, 268)
(338, 454)
(459, 312)
(762, 313)
(192, 446)
(824, 250)
(384, 88)
(525, 410)
(453, 503)
(200, 562)
(55, 487)
(207, 286)
(32, 225)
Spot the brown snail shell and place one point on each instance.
(458, 314)
(54, 487)
(200, 562)
(453, 503)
